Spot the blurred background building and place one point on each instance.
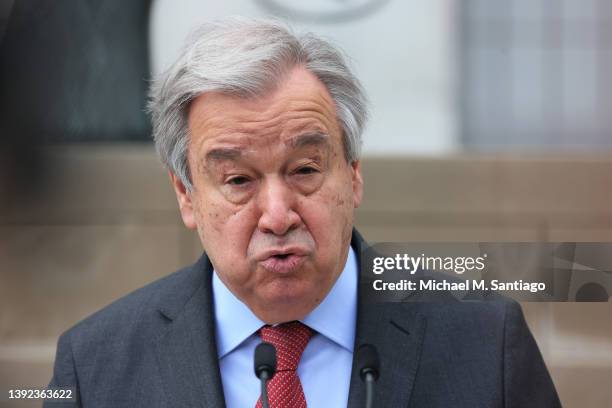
(491, 121)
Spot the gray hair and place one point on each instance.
(247, 57)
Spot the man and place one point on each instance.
(261, 132)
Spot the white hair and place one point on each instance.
(247, 57)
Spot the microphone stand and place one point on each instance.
(264, 377)
(369, 383)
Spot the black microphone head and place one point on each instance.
(367, 361)
(265, 359)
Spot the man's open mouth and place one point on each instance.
(282, 256)
(283, 263)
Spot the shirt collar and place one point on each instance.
(334, 317)
(235, 322)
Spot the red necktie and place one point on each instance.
(289, 339)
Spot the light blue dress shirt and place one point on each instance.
(325, 367)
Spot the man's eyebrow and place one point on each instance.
(223, 153)
(233, 153)
(309, 139)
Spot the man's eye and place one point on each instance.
(237, 180)
(306, 170)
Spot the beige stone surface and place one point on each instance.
(435, 233)
(430, 185)
(110, 178)
(556, 185)
(53, 276)
(538, 317)
(582, 387)
(23, 375)
(553, 185)
(583, 321)
(580, 234)
(98, 184)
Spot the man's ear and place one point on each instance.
(357, 182)
(184, 198)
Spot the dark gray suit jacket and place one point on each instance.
(156, 348)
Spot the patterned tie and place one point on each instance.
(289, 339)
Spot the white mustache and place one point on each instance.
(261, 242)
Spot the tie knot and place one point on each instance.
(290, 340)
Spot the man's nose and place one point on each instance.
(277, 204)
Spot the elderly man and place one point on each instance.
(261, 131)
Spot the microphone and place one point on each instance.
(265, 367)
(369, 369)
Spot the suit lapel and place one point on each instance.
(186, 349)
(397, 331)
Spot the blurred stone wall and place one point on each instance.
(106, 223)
